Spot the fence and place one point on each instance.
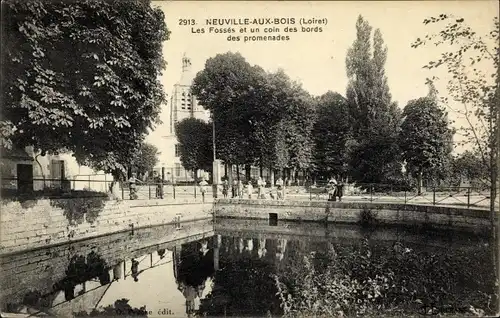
(91, 186)
(435, 195)
(88, 186)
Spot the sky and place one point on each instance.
(317, 59)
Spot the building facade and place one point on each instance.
(182, 104)
(24, 170)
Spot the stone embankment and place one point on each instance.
(43, 223)
(354, 212)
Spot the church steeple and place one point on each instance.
(186, 63)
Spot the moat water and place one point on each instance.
(232, 270)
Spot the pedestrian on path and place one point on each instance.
(234, 188)
(225, 188)
(260, 187)
(249, 189)
(279, 184)
(332, 189)
(133, 181)
(340, 190)
(203, 188)
(159, 185)
(240, 189)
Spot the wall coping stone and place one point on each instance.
(482, 213)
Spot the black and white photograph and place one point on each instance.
(249, 158)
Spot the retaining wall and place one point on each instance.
(42, 223)
(352, 212)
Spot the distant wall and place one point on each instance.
(35, 224)
(351, 212)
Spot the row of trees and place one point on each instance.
(82, 77)
(266, 119)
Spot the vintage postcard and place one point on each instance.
(249, 158)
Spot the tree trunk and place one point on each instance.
(230, 176)
(248, 174)
(238, 172)
(419, 183)
(271, 177)
(225, 170)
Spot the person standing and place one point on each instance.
(234, 187)
(332, 188)
(340, 190)
(133, 181)
(240, 189)
(225, 188)
(260, 188)
(279, 185)
(159, 185)
(203, 188)
(249, 189)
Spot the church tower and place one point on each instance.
(183, 104)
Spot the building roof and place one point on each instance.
(187, 75)
(14, 153)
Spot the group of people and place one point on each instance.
(335, 190)
(241, 190)
(134, 181)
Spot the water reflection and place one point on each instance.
(234, 272)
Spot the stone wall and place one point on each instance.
(42, 223)
(340, 233)
(351, 212)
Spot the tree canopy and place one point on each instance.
(195, 142)
(471, 60)
(376, 118)
(145, 159)
(82, 76)
(332, 131)
(260, 118)
(426, 141)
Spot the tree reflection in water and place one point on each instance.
(371, 276)
(121, 308)
(244, 285)
(193, 266)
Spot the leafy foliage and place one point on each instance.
(470, 167)
(226, 87)
(366, 280)
(260, 118)
(472, 61)
(426, 140)
(82, 76)
(195, 141)
(376, 119)
(121, 308)
(145, 159)
(332, 133)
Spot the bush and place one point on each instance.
(369, 281)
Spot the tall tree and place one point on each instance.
(332, 131)
(145, 159)
(471, 59)
(426, 140)
(469, 166)
(376, 118)
(226, 87)
(195, 142)
(82, 76)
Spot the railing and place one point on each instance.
(96, 186)
(469, 197)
